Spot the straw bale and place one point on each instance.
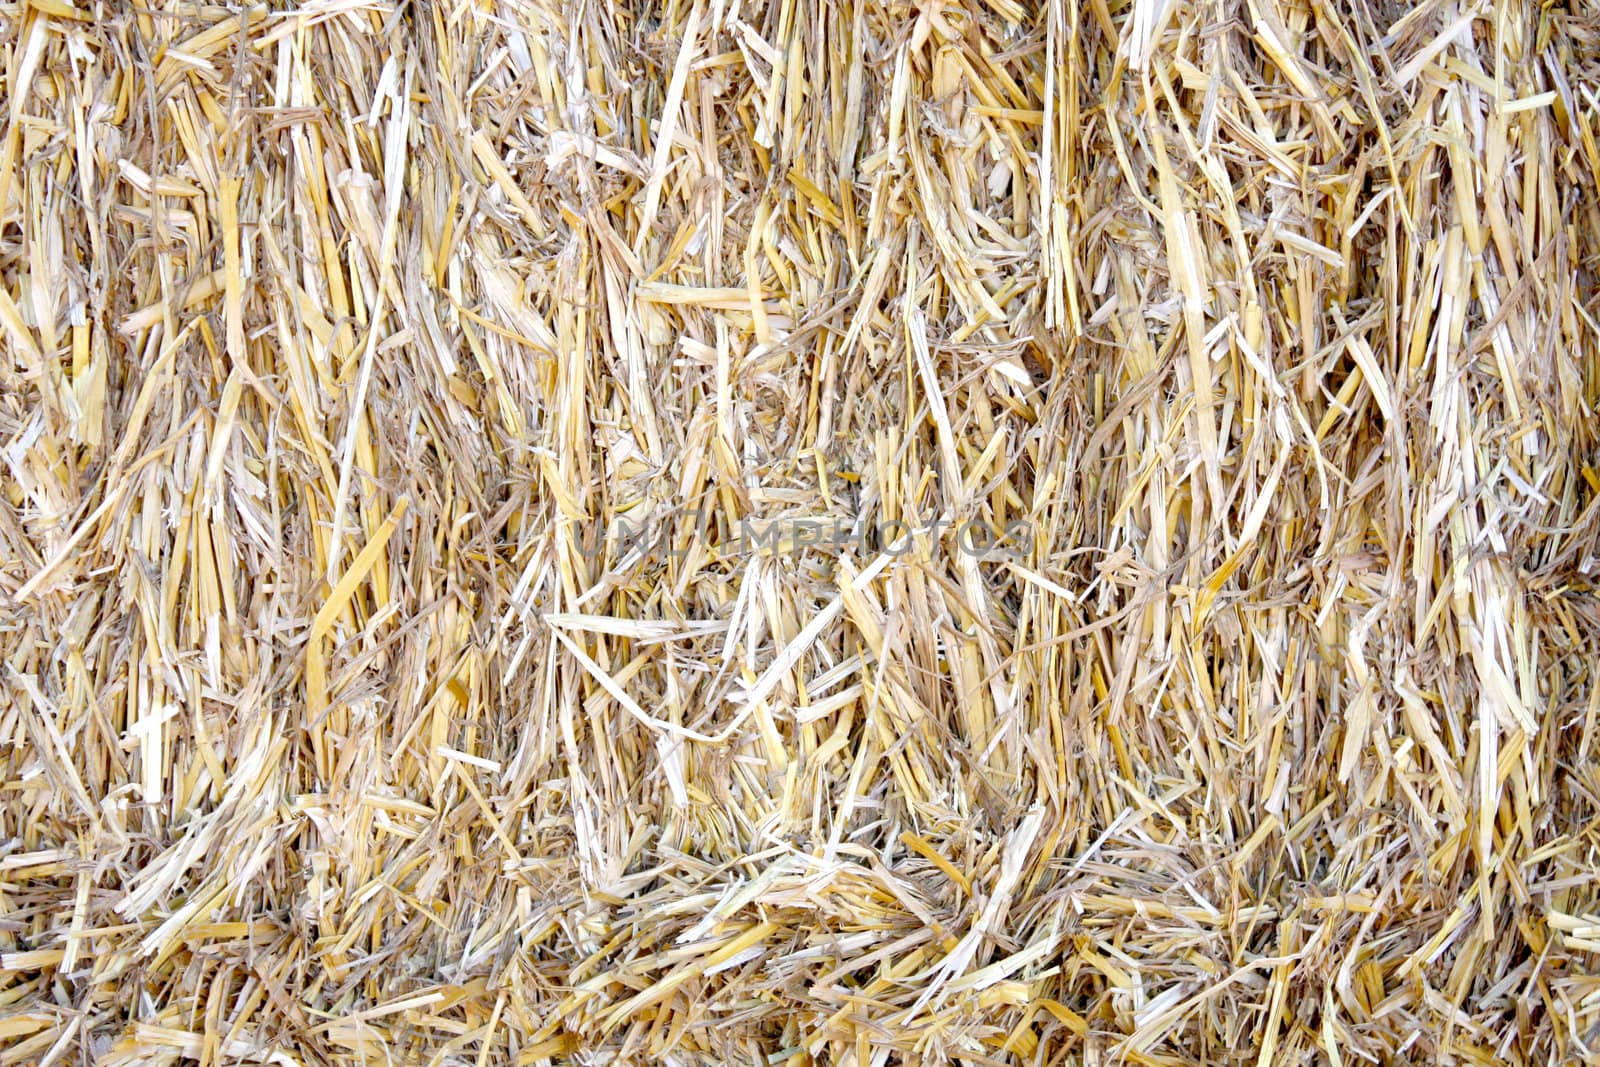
(841, 532)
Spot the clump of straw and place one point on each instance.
(795, 531)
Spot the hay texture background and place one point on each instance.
(342, 339)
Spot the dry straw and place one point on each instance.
(339, 337)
